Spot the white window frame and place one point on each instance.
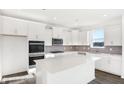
(91, 40)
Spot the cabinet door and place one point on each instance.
(44, 34)
(61, 33)
(48, 37)
(15, 57)
(67, 37)
(57, 32)
(13, 26)
(75, 37)
(113, 35)
(9, 26)
(83, 38)
(103, 64)
(33, 31)
(37, 31)
(40, 32)
(22, 27)
(115, 66)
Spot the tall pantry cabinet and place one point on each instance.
(13, 46)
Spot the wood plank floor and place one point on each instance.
(101, 78)
(106, 78)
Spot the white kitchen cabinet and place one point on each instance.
(14, 54)
(57, 32)
(37, 31)
(103, 63)
(75, 37)
(83, 38)
(22, 27)
(13, 26)
(109, 63)
(67, 37)
(115, 64)
(48, 37)
(34, 30)
(113, 35)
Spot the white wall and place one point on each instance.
(122, 75)
(0, 58)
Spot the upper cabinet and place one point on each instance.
(34, 30)
(57, 32)
(37, 31)
(75, 37)
(113, 35)
(67, 37)
(80, 37)
(83, 38)
(48, 37)
(13, 26)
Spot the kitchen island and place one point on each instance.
(68, 68)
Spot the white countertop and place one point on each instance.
(63, 61)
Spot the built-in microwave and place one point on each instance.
(57, 41)
(36, 46)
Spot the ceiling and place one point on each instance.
(76, 17)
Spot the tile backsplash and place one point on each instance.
(53, 48)
(85, 48)
(106, 49)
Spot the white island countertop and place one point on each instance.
(63, 61)
(66, 68)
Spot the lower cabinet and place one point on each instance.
(14, 54)
(115, 64)
(110, 64)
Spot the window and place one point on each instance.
(97, 40)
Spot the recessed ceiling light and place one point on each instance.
(105, 15)
(54, 18)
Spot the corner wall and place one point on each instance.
(122, 74)
(0, 57)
